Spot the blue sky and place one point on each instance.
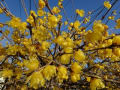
(70, 5)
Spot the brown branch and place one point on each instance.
(11, 42)
(111, 46)
(95, 17)
(48, 6)
(101, 77)
(6, 5)
(6, 11)
(3, 23)
(59, 27)
(50, 52)
(109, 9)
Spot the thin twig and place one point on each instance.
(11, 42)
(103, 17)
(23, 5)
(6, 11)
(6, 5)
(48, 6)
(36, 6)
(100, 77)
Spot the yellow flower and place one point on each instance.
(117, 24)
(75, 77)
(71, 24)
(96, 84)
(76, 24)
(60, 4)
(1, 11)
(69, 28)
(98, 26)
(76, 68)
(56, 10)
(59, 40)
(45, 45)
(69, 42)
(93, 36)
(18, 73)
(40, 12)
(52, 20)
(30, 20)
(116, 40)
(114, 12)
(59, 17)
(17, 24)
(41, 4)
(111, 17)
(79, 56)
(49, 72)
(68, 49)
(14, 22)
(116, 51)
(31, 64)
(12, 50)
(86, 20)
(36, 79)
(33, 13)
(19, 63)
(1, 25)
(24, 87)
(65, 59)
(77, 11)
(80, 12)
(7, 73)
(78, 42)
(107, 4)
(66, 23)
(62, 74)
(88, 79)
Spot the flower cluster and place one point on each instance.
(47, 50)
